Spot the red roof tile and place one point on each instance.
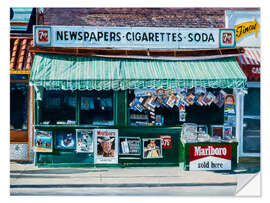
(20, 57)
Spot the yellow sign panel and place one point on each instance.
(20, 72)
(245, 28)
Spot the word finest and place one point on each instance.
(241, 30)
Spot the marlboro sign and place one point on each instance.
(210, 157)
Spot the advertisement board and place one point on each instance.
(43, 141)
(84, 140)
(210, 157)
(133, 37)
(152, 148)
(229, 109)
(65, 140)
(130, 146)
(106, 146)
(166, 141)
(247, 25)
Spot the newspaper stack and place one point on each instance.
(189, 132)
(203, 137)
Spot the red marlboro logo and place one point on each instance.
(43, 35)
(202, 151)
(105, 133)
(227, 38)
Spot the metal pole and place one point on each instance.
(239, 120)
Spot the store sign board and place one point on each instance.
(166, 141)
(133, 37)
(106, 146)
(247, 25)
(210, 157)
(252, 73)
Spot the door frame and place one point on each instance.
(241, 141)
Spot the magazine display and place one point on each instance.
(147, 101)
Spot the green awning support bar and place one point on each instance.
(87, 73)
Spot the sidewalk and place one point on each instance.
(24, 175)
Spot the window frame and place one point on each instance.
(38, 112)
(27, 96)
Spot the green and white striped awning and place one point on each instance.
(86, 73)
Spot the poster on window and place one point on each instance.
(84, 140)
(217, 131)
(130, 146)
(229, 109)
(152, 148)
(65, 140)
(106, 146)
(227, 132)
(43, 141)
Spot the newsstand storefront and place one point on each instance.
(115, 110)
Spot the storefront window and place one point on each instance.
(58, 107)
(96, 107)
(251, 134)
(18, 105)
(174, 107)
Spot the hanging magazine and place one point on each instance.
(185, 102)
(208, 98)
(171, 101)
(190, 99)
(219, 100)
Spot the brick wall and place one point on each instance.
(151, 17)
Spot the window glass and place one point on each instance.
(252, 102)
(96, 107)
(18, 105)
(251, 134)
(58, 107)
(174, 107)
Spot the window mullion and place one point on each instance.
(78, 99)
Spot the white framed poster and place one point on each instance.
(106, 146)
(84, 140)
(43, 141)
(152, 148)
(130, 145)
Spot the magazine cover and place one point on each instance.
(227, 132)
(65, 140)
(130, 145)
(43, 141)
(84, 140)
(217, 131)
(106, 146)
(219, 99)
(152, 148)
